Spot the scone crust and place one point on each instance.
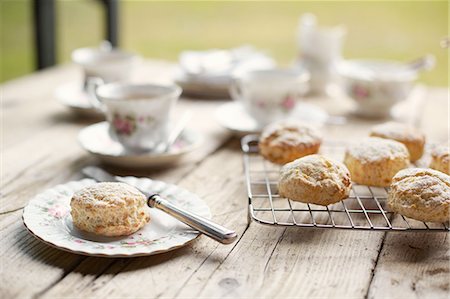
(440, 159)
(374, 161)
(412, 138)
(109, 209)
(315, 179)
(421, 194)
(283, 142)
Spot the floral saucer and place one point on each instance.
(233, 117)
(97, 141)
(47, 217)
(74, 97)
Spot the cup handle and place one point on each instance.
(236, 89)
(92, 83)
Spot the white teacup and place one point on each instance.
(375, 86)
(138, 115)
(106, 63)
(270, 95)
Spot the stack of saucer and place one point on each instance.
(209, 73)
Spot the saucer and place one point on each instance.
(208, 73)
(203, 87)
(47, 217)
(233, 117)
(74, 97)
(96, 140)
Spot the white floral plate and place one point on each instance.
(96, 140)
(47, 217)
(74, 97)
(233, 117)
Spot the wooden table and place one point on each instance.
(39, 150)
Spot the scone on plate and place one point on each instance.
(109, 209)
(285, 141)
(421, 194)
(374, 161)
(412, 138)
(440, 158)
(315, 179)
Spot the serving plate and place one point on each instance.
(47, 217)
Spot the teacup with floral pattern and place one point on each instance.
(138, 114)
(269, 95)
(375, 86)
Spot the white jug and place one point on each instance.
(320, 51)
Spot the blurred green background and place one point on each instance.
(161, 29)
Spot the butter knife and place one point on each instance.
(203, 225)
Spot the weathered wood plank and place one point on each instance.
(42, 151)
(39, 150)
(16, 287)
(292, 263)
(415, 265)
(19, 194)
(164, 275)
(27, 265)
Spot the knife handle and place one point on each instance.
(205, 226)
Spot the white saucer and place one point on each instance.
(233, 117)
(74, 97)
(96, 140)
(47, 217)
(203, 87)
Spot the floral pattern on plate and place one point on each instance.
(47, 217)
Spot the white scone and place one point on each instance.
(374, 161)
(314, 179)
(440, 158)
(109, 209)
(421, 194)
(285, 141)
(412, 138)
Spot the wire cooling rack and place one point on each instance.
(364, 209)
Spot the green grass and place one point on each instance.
(162, 29)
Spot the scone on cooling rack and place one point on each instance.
(412, 138)
(421, 194)
(374, 161)
(315, 179)
(109, 209)
(285, 141)
(440, 158)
